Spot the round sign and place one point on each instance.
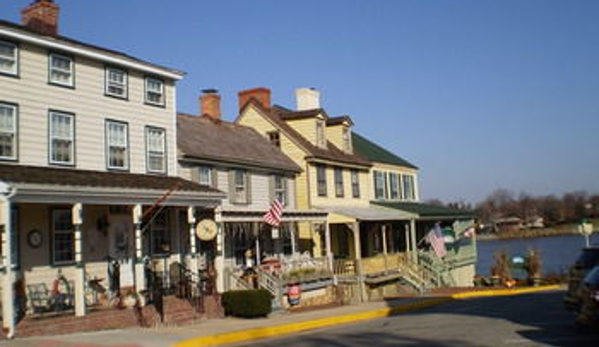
(206, 230)
(585, 228)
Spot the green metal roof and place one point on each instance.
(376, 153)
(425, 210)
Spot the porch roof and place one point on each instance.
(350, 214)
(65, 185)
(426, 211)
(288, 215)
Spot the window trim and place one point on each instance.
(163, 91)
(17, 58)
(73, 161)
(53, 233)
(338, 179)
(346, 138)
(394, 176)
(165, 157)
(15, 156)
(321, 192)
(107, 92)
(355, 185)
(70, 85)
(107, 146)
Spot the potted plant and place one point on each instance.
(500, 271)
(533, 266)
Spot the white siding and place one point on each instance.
(91, 107)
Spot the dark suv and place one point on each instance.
(588, 314)
(585, 262)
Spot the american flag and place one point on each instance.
(436, 240)
(273, 216)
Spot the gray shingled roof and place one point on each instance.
(200, 137)
(24, 174)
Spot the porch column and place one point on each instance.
(140, 274)
(8, 308)
(77, 216)
(256, 233)
(384, 238)
(358, 253)
(293, 241)
(414, 251)
(327, 240)
(193, 249)
(219, 260)
(407, 237)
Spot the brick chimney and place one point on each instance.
(210, 103)
(260, 94)
(307, 99)
(41, 16)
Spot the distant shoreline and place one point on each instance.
(561, 230)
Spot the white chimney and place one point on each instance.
(307, 99)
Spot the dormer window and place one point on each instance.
(346, 139)
(275, 138)
(320, 135)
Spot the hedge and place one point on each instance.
(247, 303)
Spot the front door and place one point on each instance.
(122, 247)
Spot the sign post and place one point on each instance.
(585, 228)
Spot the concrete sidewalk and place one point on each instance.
(234, 330)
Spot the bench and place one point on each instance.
(43, 299)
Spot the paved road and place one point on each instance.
(525, 320)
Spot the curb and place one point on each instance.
(286, 329)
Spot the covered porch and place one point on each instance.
(75, 240)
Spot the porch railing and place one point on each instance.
(344, 267)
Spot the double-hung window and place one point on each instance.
(339, 182)
(393, 186)
(321, 179)
(154, 91)
(240, 187)
(355, 183)
(379, 185)
(63, 236)
(117, 145)
(205, 176)
(408, 187)
(62, 70)
(116, 83)
(280, 189)
(62, 138)
(9, 58)
(156, 149)
(8, 131)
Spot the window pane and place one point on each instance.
(205, 176)
(64, 250)
(8, 58)
(61, 69)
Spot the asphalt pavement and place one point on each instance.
(524, 320)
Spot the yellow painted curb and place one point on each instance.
(504, 292)
(285, 329)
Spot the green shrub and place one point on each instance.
(247, 303)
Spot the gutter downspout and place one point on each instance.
(8, 294)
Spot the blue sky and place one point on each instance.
(479, 94)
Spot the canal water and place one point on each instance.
(557, 252)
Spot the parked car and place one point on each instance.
(589, 257)
(588, 314)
